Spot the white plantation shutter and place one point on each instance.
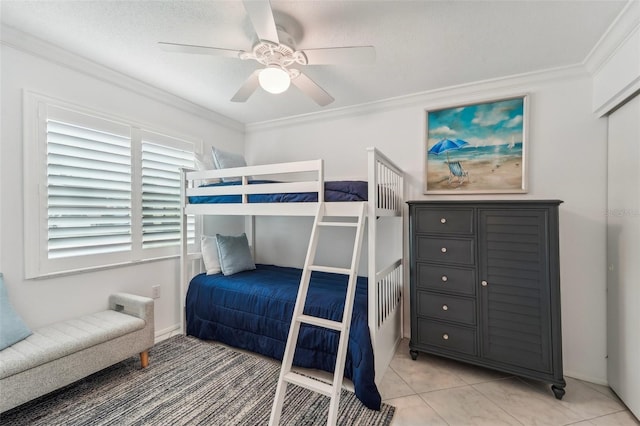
(161, 194)
(88, 191)
(99, 191)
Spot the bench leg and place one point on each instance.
(144, 359)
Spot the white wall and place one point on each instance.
(44, 301)
(567, 161)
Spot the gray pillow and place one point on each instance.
(227, 160)
(234, 254)
(12, 328)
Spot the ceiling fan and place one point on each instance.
(275, 50)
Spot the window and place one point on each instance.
(88, 191)
(98, 191)
(161, 192)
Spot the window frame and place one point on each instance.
(37, 108)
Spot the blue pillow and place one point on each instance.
(227, 160)
(12, 328)
(234, 254)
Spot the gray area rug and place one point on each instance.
(188, 382)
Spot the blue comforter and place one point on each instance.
(252, 310)
(344, 190)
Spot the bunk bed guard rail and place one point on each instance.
(312, 173)
(386, 198)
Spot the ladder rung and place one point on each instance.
(330, 269)
(344, 224)
(321, 322)
(309, 383)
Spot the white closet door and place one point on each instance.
(623, 252)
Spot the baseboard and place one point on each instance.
(164, 334)
(585, 378)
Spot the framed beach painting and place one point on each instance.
(477, 148)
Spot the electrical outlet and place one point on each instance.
(155, 291)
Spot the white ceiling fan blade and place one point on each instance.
(200, 50)
(247, 88)
(261, 17)
(311, 89)
(341, 55)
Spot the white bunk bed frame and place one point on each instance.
(386, 198)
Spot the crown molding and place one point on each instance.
(617, 99)
(612, 62)
(468, 92)
(37, 47)
(623, 27)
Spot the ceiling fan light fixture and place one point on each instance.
(274, 80)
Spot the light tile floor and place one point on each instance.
(437, 391)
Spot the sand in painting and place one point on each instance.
(485, 175)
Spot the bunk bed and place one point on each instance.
(250, 310)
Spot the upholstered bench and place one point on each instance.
(62, 353)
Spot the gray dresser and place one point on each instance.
(485, 285)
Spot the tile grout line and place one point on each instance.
(418, 395)
(496, 403)
(569, 407)
(610, 414)
(499, 407)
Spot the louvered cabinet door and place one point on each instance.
(514, 292)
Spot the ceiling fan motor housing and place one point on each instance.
(281, 54)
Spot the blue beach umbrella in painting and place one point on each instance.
(446, 145)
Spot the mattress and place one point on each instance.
(345, 190)
(252, 310)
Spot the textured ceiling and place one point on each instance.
(420, 45)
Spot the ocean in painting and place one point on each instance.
(472, 153)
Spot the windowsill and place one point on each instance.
(102, 268)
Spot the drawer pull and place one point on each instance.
(484, 283)
(443, 220)
(444, 278)
(445, 336)
(443, 249)
(445, 308)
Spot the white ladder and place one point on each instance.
(286, 374)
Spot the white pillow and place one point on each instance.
(227, 160)
(205, 162)
(210, 255)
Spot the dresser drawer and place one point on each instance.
(446, 278)
(448, 250)
(444, 220)
(450, 308)
(447, 336)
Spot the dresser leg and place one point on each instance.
(414, 354)
(558, 391)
